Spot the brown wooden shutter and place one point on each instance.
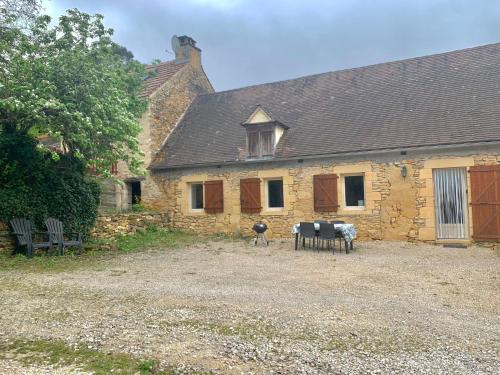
(485, 196)
(250, 195)
(325, 193)
(214, 197)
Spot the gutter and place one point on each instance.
(386, 151)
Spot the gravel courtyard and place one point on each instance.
(227, 307)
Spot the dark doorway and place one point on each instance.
(135, 189)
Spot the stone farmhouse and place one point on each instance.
(405, 150)
(170, 90)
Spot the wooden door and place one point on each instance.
(485, 194)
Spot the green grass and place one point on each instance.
(52, 263)
(155, 238)
(58, 353)
(97, 251)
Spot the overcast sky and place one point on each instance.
(247, 42)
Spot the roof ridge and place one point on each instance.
(164, 63)
(393, 62)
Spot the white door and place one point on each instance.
(450, 200)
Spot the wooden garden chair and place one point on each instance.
(58, 237)
(22, 229)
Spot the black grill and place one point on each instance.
(259, 227)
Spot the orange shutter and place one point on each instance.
(250, 195)
(485, 196)
(214, 197)
(325, 193)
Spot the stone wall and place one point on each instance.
(110, 226)
(396, 208)
(107, 226)
(6, 240)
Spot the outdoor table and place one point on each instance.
(348, 232)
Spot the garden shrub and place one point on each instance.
(35, 185)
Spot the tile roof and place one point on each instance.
(444, 99)
(163, 72)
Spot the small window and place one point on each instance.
(354, 188)
(275, 193)
(253, 144)
(260, 143)
(197, 196)
(266, 142)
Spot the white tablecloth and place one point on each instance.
(348, 230)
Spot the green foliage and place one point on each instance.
(72, 82)
(35, 186)
(97, 252)
(154, 237)
(58, 353)
(18, 13)
(137, 207)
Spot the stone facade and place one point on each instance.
(166, 106)
(110, 226)
(396, 207)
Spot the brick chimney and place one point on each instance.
(185, 49)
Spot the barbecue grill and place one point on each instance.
(260, 229)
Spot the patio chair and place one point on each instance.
(327, 233)
(23, 230)
(307, 231)
(56, 231)
(320, 221)
(338, 233)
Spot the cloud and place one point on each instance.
(250, 42)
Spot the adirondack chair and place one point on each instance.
(56, 231)
(23, 230)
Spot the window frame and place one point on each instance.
(259, 132)
(266, 182)
(344, 196)
(190, 201)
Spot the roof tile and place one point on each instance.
(449, 98)
(163, 72)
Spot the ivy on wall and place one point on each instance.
(35, 185)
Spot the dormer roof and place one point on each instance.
(258, 116)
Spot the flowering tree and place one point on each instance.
(72, 82)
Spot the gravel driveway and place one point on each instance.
(227, 307)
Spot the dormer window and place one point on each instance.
(260, 143)
(263, 134)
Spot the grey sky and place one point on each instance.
(248, 42)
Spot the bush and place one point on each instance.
(36, 186)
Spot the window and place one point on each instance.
(275, 193)
(266, 143)
(354, 191)
(260, 143)
(196, 191)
